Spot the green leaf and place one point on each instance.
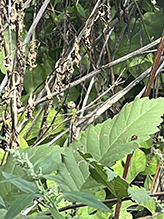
(123, 211)
(84, 198)
(102, 174)
(2, 153)
(55, 213)
(159, 216)
(138, 164)
(107, 143)
(54, 178)
(40, 215)
(81, 10)
(152, 164)
(35, 129)
(23, 142)
(19, 204)
(56, 2)
(141, 196)
(73, 170)
(9, 190)
(141, 64)
(2, 202)
(2, 138)
(118, 167)
(111, 141)
(45, 157)
(3, 57)
(146, 144)
(22, 184)
(32, 79)
(150, 19)
(148, 182)
(45, 163)
(2, 213)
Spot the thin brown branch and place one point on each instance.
(107, 201)
(154, 67)
(125, 174)
(104, 67)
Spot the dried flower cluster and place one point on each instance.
(32, 55)
(64, 66)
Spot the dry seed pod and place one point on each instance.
(32, 55)
(13, 16)
(64, 67)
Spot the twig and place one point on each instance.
(52, 75)
(149, 84)
(143, 23)
(78, 128)
(93, 80)
(28, 36)
(89, 118)
(59, 136)
(107, 201)
(108, 103)
(26, 3)
(95, 72)
(154, 67)
(157, 73)
(33, 122)
(103, 48)
(119, 41)
(68, 207)
(85, 102)
(125, 175)
(35, 22)
(45, 137)
(88, 20)
(10, 35)
(104, 67)
(117, 82)
(117, 20)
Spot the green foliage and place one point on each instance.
(19, 204)
(141, 196)
(113, 137)
(123, 212)
(35, 129)
(80, 169)
(84, 198)
(136, 165)
(23, 185)
(116, 185)
(2, 202)
(89, 171)
(72, 174)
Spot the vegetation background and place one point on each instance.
(70, 135)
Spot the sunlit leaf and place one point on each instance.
(54, 178)
(102, 174)
(141, 196)
(22, 184)
(137, 165)
(2, 202)
(19, 204)
(84, 198)
(55, 213)
(111, 141)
